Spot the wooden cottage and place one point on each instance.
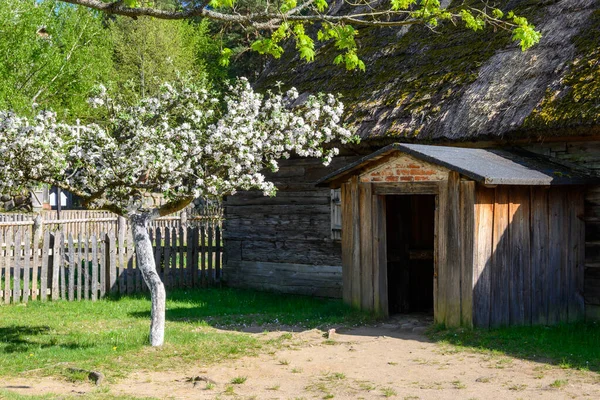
(507, 214)
(482, 237)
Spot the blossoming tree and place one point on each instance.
(183, 144)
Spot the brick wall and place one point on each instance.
(404, 168)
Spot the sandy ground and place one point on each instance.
(393, 360)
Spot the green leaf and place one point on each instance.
(321, 5)
(288, 5)
(471, 22)
(225, 57)
(402, 4)
(497, 13)
(131, 3)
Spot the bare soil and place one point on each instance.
(394, 360)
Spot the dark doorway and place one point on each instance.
(410, 240)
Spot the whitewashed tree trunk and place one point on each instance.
(145, 260)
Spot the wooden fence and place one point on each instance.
(58, 265)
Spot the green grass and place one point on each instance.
(111, 335)
(568, 346)
(9, 395)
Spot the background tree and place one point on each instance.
(52, 56)
(184, 143)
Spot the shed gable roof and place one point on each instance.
(487, 166)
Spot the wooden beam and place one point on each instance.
(500, 273)
(407, 188)
(355, 275)
(453, 253)
(440, 259)
(519, 266)
(539, 251)
(576, 309)
(380, 291)
(482, 264)
(467, 233)
(347, 242)
(366, 246)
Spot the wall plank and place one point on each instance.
(467, 231)
(520, 253)
(482, 265)
(380, 289)
(356, 275)
(555, 254)
(440, 259)
(500, 261)
(347, 241)
(366, 245)
(452, 278)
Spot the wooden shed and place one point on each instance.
(481, 237)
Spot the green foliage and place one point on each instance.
(472, 22)
(53, 55)
(148, 52)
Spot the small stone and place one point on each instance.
(96, 377)
(330, 333)
(419, 329)
(407, 326)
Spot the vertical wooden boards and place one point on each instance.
(17, 268)
(210, 253)
(35, 263)
(85, 251)
(56, 266)
(79, 259)
(355, 274)
(576, 237)
(467, 233)
(203, 249)
(26, 265)
(121, 247)
(181, 258)
(539, 255)
(102, 251)
(347, 242)
(44, 269)
(555, 254)
(218, 256)
(8, 239)
(482, 263)
(451, 279)
(366, 245)
(380, 292)
(112, 262)
(72, 266)
(130, 263)
(440, 257)
(94, 268)
(167, 258)
(63, 274)
(520, 267)
(188, 261)
(173, 269)
(500, 271)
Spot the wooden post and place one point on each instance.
(37, 236)
(355, 274)
(366, 246)
(467, 232)
(167, 258)
(217, 274)
(121, 230)
(111, 260)
(26, 266)
(380, 287)
(44, 269)
(102, 255)
(347, 242)
(55, 295)
(72, 266)
(7, 265)
(482, 268)
(63, 275)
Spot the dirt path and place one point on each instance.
(390, 360)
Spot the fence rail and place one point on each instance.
(54, 264)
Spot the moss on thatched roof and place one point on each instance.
(461, 85)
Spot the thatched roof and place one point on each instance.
(461, 85)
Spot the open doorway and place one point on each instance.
(410, 242)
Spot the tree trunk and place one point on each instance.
(145, 262)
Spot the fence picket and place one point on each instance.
(79, 259)
(112, 262)
(17, 268)
(26, 265)
(71, 268)
(102, 263)
(210, 253)
(54, 294)
(94, 268)
(181, 258)
(167, 258)
(217, 254)
(121, 253)
(35, 262)
(86, 266)
(130, 276)
(63, 280)
(157, 252)
(44, 270)
(174, 258)
(3, 265)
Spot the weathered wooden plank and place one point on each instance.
(16, 295)
(121, 231)
(102, 263)
(167, 258)
(173, 269)
(347, 242)
(56, 263)
(158, 252)
(203, 252)
(519, 267)
(380, 290)
(26, 265)
(181, 257)
(79, 259)
(63, 272)
(44, 268)
(72, 266)
(356, 270)
(539, 255)
(576, 307)
(499, 315)
(86, 266)
(188, 262)
(555, 256)
(94, 277)
(453, 253)
(366, 244)
(440, 258)
(35, 263)
(467, 233)
(112, 263)
(130, 264)
(218, 254)
(399, 188)
(210, 248)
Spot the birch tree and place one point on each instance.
(183, 143)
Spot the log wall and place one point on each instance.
(284, 243)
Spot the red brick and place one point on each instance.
(406, 178)
(421, 178)
(391, 179)
(414, 166)
(376, 180)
